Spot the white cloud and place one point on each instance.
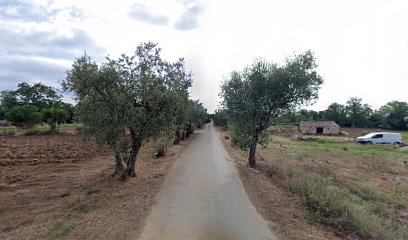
(189, 18)
(142, 13)
(360, 45)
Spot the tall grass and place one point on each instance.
(332, 203)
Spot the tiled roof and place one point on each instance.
(318, 124)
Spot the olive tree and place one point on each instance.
(258, 94)
(133, 95)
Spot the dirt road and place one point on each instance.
(203, 198)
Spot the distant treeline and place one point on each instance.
(393, 115)
(30, 104)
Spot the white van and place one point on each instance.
(381, 138)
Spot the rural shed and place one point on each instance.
(319, 127)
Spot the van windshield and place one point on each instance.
(370, 135)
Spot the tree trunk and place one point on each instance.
(182, 134)
(118, 160)
(131, 164)
(252, 151)
(177, 140)
(189, 130)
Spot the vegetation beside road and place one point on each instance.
(133, 99)
(121, 103)
(61, 187)
(359, 191)
(13, 130)
(356, 190)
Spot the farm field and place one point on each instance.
(54, 186)
(331, 188)
(12, 130)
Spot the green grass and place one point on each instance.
(404, 135)
(352, 148)
(8, 128)
(371, 193)
(331, 203)
(60, 230)
(343, 183)
(37, 129)
(71, 126)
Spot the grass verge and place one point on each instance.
(359, 191)
(348, 204)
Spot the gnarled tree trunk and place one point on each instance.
(118, 160)
(252, 151)
(131, 164)
(251, 158)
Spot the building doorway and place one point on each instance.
(319, 130)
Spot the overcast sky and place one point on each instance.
(361, 46)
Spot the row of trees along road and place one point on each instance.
(29, 104)
(134, 98)
(254, 97)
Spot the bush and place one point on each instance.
(54, 117)
(24, 116)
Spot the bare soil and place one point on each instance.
(60, 186)
(285, 211)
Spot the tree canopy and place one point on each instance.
(25, 116)
(28, 98)
(38, 95)
(141, 95)
(262, 91)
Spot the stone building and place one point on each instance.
(319, 127)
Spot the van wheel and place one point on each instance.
(370, 143)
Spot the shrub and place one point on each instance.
(24, 116)
(54, 117)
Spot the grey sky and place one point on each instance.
(188, 20)
(360, 46)
(142, 13)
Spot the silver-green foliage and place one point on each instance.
(259, 93)
(133, 98)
